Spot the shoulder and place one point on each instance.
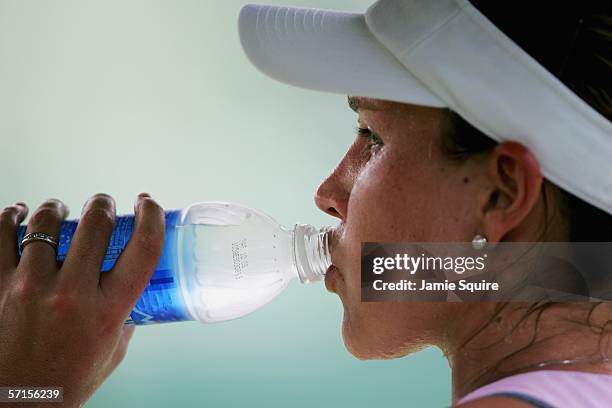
(542, 389)
(497, 402)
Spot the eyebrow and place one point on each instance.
(360, 102)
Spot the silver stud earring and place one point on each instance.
(479, 242)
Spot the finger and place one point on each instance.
(39, 257)
(88, 247)
(123, 284)
(10, 218)
(126, 335)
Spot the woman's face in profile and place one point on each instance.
(394, 184)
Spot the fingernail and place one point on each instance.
(139, 199)
(85, 206)
(61, 205)
(23, 208)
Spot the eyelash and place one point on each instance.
(373, 138)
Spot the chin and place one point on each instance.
(370, 346)
(376, 342)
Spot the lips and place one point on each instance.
(332, 276)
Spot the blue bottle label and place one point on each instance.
(162, 300)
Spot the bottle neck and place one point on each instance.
(311, 252)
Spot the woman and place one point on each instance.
(417, 172)
(420, 172)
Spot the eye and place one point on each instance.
(373, 138)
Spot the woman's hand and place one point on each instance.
(61, 325)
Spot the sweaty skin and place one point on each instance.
(394, 184)
(64, 321)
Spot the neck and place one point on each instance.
(516, 338)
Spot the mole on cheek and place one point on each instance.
(466, 180)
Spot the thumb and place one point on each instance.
(120, 351)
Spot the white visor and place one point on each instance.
(441, 53)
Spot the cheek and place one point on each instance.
(399, 199)
(392, 200)
(385, 205)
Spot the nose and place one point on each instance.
(333, 194)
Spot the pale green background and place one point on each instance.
(128, 96)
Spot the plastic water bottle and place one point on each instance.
(220, 261)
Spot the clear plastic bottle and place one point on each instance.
(220, 261)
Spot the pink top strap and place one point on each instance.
(552, 388)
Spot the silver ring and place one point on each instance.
(38, 236)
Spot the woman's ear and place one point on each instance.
(516, 184)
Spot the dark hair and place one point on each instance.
(576, 46)
(582, 59)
